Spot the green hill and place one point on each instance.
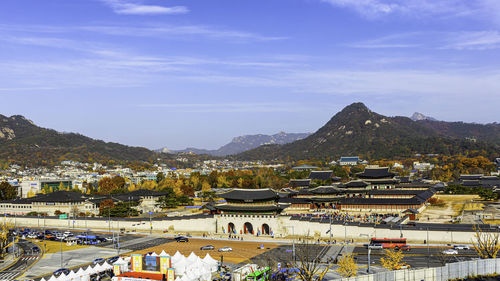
(356, 130)
(21, 141)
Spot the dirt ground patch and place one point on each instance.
(242, 250)
(452, 207)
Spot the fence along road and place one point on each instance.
(451, 271)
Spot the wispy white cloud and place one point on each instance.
(231, 107)
(172, 31)
(473, 40)
(136, 7)
(157, 31)
(413, 8)
(457, 40)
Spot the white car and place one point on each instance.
(450, 252)
(32, 236)
(67, 234)
(375, 246)
(225, 249)
(461, 247)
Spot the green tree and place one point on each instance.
(159, 177)
(7, 191)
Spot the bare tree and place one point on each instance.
(308, 261)
(486, 244)
(444, 258)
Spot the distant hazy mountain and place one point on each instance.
(356, 130)
(21, 141)
(417, 116)
(243, 143)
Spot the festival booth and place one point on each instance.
(163, 267)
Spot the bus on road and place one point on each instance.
(388, 243)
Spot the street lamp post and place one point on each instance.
(330, 230)
(293, 241)
(150, 223)
(428, 250)
(369, 251)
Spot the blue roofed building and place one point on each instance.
(349, 160)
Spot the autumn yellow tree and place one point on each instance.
(132, 187)
(31, 193)
(4, 238)
(392, 260)
(486, 244)
(347, 266)
(205, 187)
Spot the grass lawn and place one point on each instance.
(55, 247)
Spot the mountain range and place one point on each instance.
(21, 141)
(243, 143)
(356, 130)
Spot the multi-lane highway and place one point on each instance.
(28, 258)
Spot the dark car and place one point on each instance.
(61, 271)
(113, 260)
(99, 260)
(207, 247)
(181, 239)
(35, 249)
(100, 239)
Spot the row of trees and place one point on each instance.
(483, 192)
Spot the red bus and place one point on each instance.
(388, 243)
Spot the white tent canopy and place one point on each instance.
(163, 253)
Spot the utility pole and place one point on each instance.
(109, 219)
(428, 250)
(150, 223)
(61, 253)
(369, 262)
(118, 239)
(330, 231)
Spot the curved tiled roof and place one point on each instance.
(250, 195)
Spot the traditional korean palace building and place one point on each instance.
(250, 201)
(378, 177)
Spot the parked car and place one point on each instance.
(35, 249)
(208, 247)
(181, 239)
(67, 234)
(225, 249)
(403, 248)
(98, 260)
(450, 252)
(461, 247)
(375, 246)
(32, 236)
(113, 259)
(60, 271)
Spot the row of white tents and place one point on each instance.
(190, 268)
(81, 274)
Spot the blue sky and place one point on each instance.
(196, 73)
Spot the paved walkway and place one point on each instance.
(52, 262)
(7, 261)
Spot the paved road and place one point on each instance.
(27, 259)
(416, 257)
